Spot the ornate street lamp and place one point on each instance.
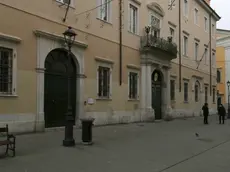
(228, 84)
(69, 36)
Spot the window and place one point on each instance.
(172, 89)
(213, 30)
(196, 50)
(103, 82)
(218, 76)
(186, 8)
(186, 92)
(206, 55)
(133, 14)
(64, 1)
(196, 16)
(196, 92)
(104, 13)
(155, 26)
(206, 94)
(172, 33)
(205, 23)
(213, 95)
(133, 85)
(213, 59)
(6, 71)
(185, 47)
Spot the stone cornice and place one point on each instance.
(10, 38)
(40, 33)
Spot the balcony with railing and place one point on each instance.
(151, 43)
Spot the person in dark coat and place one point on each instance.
(205, 113)
(222, 113)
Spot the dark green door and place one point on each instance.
(56, 98)
(156, 94)
(156, 100)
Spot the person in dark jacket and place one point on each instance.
(205, 113)
(222, 113)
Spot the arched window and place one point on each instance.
(197, 85)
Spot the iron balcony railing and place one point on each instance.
(150, 41)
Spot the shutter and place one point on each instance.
(138, 86)
(111, 83)
(135, 86)
(129, 85)
(98, 81)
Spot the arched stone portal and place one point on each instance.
(59, 87)
(157, 79)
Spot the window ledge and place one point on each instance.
(8, 95)
(104, 21)
(104, 99)
(135, 34)
(133, 100)
(186, 102)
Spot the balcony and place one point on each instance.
(156, 45)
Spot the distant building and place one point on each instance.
(223, 64)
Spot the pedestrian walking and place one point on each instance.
(205, 113)
(221, 113)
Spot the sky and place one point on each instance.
(222, 7)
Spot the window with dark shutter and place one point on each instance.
(206, 94)
(186, 92)
(133, 81)
(6, 70)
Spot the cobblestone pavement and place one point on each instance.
(150, 147)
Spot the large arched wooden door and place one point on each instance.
(156, 94)
(58, 91)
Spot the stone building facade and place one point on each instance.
(161, 67)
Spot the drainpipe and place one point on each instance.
(179, 45)
(210, 52)
(120, 41)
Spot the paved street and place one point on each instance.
(150, 147)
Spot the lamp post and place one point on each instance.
(69, 36)
(228, 84)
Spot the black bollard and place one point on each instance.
(69, 140)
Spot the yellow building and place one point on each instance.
(222, 62)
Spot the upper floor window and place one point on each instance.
(196, 16)
(186, 8)
(6, 71)
(213, 58)
(185, 91)
(218, 76)
(205, 23)
(206, 55)
(104, 10)
(213, 30)
(155, 25)
(133, 85)
(185, 46)
(172, 33)
(133, 18)
(196, 50)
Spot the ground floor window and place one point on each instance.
(6, 71)
(206, 94)
(214, 95)
(185, 91)
(133, 85)
(104, 82)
